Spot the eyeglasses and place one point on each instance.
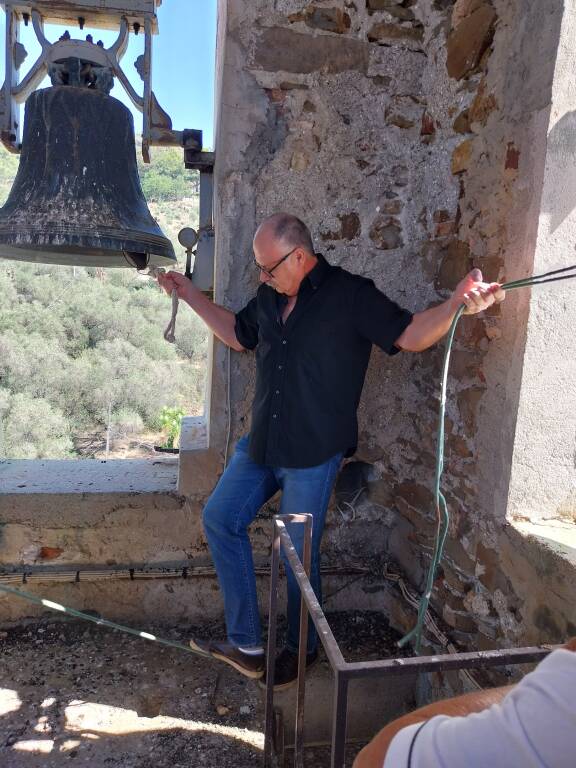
(270, 271)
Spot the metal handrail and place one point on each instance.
(343, 670)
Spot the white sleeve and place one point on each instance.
(533, 727)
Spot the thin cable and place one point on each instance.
(101, 622)
(442, 515)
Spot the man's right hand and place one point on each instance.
(171, 281)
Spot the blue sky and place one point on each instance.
(182, 68)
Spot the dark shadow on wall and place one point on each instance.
(562, 158)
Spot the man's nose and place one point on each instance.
(264, 278)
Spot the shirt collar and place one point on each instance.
(320, 272)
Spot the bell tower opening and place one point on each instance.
(84, 369)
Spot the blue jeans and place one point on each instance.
(241, 491)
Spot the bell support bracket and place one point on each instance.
(100, 64)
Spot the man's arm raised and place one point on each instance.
(430, 326)
(220, 320)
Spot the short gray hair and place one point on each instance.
(292, 231)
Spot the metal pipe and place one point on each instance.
(339, 717)
(316, 613)
(271, 648)
(302, 646)
(471, 660)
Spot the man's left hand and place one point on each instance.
(475, 294)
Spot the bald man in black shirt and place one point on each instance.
(312, 326)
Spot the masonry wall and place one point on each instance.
(411, 136)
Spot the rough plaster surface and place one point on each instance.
(411, 177)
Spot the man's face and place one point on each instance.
(287, 272)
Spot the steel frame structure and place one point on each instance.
(344, 671)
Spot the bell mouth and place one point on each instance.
(86, 257)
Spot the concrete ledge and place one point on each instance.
(559, 536)
(27, 476)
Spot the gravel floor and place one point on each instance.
(75, 693)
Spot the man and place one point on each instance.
(313, 326)
(529, 725)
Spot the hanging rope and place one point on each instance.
(170, 332)
(442, 515)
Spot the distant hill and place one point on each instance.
(82, 356)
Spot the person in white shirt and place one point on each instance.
(528, 725)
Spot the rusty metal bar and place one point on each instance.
(448, 661)
(344, 671)
(271, 648)
(316, 613)
(340, 712)
(302, 647)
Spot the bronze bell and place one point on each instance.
(77, 197)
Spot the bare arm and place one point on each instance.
(220, 320)
(373, 755)
(430, 326)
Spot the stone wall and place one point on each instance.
(411, 136)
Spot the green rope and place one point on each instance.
(101, 622)
(442, 515)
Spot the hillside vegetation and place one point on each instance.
(82, 355)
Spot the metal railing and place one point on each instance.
(343, 671)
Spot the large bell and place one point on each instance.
(77, 197)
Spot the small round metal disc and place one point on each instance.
(188, 237)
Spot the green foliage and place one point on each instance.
(8, 169)
(171, 421)
(165, 178)
(32, 428)
(75, 343)
(80, 344)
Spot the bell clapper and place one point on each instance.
(188, 238)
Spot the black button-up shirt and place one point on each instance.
(311, 370)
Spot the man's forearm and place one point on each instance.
(428, 327)
(220, 320)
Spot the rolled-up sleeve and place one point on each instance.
(378, 318)
(247, 326)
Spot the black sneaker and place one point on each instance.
(248, 664)
(286, 669)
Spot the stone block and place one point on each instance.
(461, 157)
(468, 402)
(280, 49)
(328, 19)
(468, 41)
(462, 122)
(384, 32)
(400, 121)
(427, 127)
(482, 106)
(455, 265)
(382, 5)
(386, 233)
(349, 228)
(460, 620)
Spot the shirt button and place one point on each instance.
(277, 392)
(274, 415)
(284, 341)
(279, 367)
